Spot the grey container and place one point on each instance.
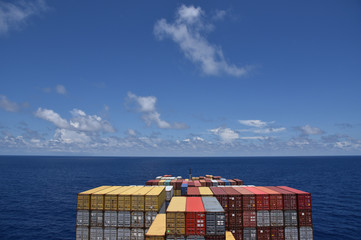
(82, 218)
(173, 237)
(96, 233)
(124, 219)
(195, 237)
(291, 233)
(137, 234)
(276, 218)
(110, 233)
(82, 233)
(306, 233)
(249, 234)
(110, 218)
(290, 217)
(169, 193)
(263, 218)
(123, 234)
(96, 218)
(163, 208)
(149, 218)
(137, 220)
(215, 218)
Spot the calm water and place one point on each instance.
(38, 194)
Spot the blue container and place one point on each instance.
(184, 189)
(226, 182)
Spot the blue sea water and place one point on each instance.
(38, 194)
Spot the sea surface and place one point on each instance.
(38, 194)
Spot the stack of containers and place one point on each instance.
(304, 209)
(234, 210)
(157, 229)
(184, 188)
(215, 224)
(195, 218)
(193, 192)
(205, 191)
(263, 214)
(175, 221)
(154, 204)
(289, 212)
(178, 186)
(222, 198)
(169, 193)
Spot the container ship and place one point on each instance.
(198, 208)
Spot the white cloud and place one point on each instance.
(8, 105)
(131, 132)
(255, 138)
(91, 123)
(150, 113)
(14, 15)
(227, 135)
(308, 130)
(51, 116)
(253, 123)
(60, 89)
(219, 15)
(69, 136)
(269, 130)
(187, 31)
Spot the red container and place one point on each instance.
(217, 177)
(234, 219)
(303, 198)
(197, 184)
(193, 191)
(263, 233)
(232, 182)
(275, 198)
(155, 182)
(191, 183)
(262, 198)
(173, 183)
(215, 237)
(234, 199)
(304, 218)
(249, 219)
(289, 198)
(203, 183)
(277, 233)
(195, 216)
(178, 184)
(238, 181)
(237, 233)
(220, 183)
(248, 199)
(208, 183)
(149, 183)
(221, 196)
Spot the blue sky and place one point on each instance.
(180, 78)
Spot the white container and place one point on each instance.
(137, 220)
(306, 233)
(82, 233)
(96, 218)
(110, 218)
(137, 234)
(96, 233)
(124, 219)
(291, 233)
(277, 218)
(263, 219)
(149, 218)
(82, 218)
(110, 233)
(123, 234)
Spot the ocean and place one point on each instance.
(38, 194)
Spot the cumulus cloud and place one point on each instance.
(188, 31)
(70, 136)
(15, 14)
(253, 123)
(51, 116)
(8, 105)
(61, 89)
(146, 105)
(227, 135)
(269, 130)
(308, 130)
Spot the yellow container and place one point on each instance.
(176, 224)
(229, 235)
(83, 200)
(97, 198)
(111, 198)
(177, 193)
(138, 199)
(154, 199)
(157, 229)
(161, 182)
(124, 198)
(205, 191)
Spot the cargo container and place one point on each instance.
(110, 218)
(275, 198)
(215, 219)
(220, 182)
(178, 184)
(169, 192)
(263, 233)
(305, 218)
(289, 198)
(167, 182)
(237, 233)
(291, 233)
(235, 219)
(137, 219)
(234, 199)
(306, 233)
(248, 199)
(290, 218)
(232, 182)
(82, 218)
(195, 237)
(262, 198)
(184, 188)
(249, 219)
(124, 219)
(238, 181)
(263, 218)
(123, 234)
(195, 216)
(197, 184)
(157, 229)
(137, 234)
(209, 183)
(276, 218)
(82, 233)
(205, 191)
(83, 199)
(154, 199)
(138, 198)
(124, 198)
(191, 183)
(161, 182)
(229, 235)
(277, 233)
(173, 237)
(176, 216)
(249, 234)
(96, 218)
(203, 183)
(110, 233)
(303, 198)
(193, 191)
(214, 183)
(177, 193)
(96, 233)
(149, 218)
(111, 198)
(215, 237)
(221, 196)
(97, 198)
